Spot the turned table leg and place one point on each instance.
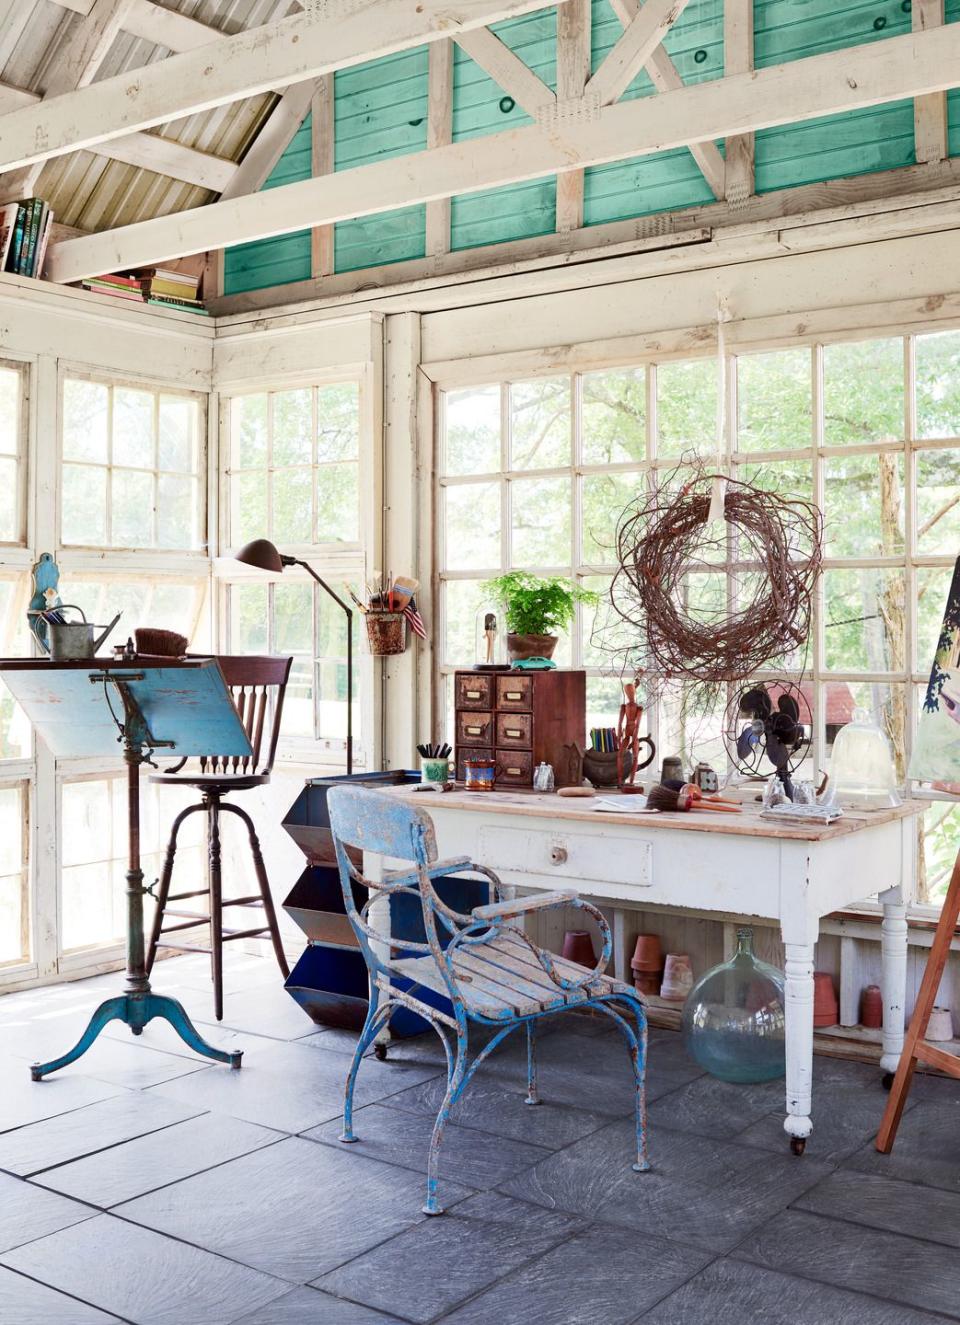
(893, 976)
(799, 1034)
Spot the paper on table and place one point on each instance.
(626, 805)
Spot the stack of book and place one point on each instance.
(171, 289)
(152, 285)
(24, 235)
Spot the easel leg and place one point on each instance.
(939, 952)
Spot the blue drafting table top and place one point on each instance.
(183, 700)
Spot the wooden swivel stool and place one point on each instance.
(915, 1047)
(258, 686)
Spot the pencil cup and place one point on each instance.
(435, 770)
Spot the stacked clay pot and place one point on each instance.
(647, 964)
(578, 947)
(871, 1008)
(826, 1011)
(677, 977)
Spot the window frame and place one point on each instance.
(912, 677)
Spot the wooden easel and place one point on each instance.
(915, 1047)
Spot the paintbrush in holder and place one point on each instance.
(672, 802)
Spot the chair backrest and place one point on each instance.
(257, 686)
(382, 824)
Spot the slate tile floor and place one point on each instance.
(143, 1186)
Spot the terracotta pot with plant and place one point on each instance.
(535, 609)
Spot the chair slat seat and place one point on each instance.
(502, 978)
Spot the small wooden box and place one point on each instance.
(522, 718)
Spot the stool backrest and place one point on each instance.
(257, 685)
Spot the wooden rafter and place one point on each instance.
(844, 80)
(573, 74)
(289, 51)
(738, 59)
(664, 75)
(631, 52)
(439, 134)
(929, 112)
(322, 163)
(272, 141)
(506, 69)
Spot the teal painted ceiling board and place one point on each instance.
(374, 241)
(665, 182)
(694, 43)
(856, 143)
(500, 215)
(786, 30)
(277, 261)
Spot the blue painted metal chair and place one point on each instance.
(478, 968)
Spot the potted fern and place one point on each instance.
(535, 609)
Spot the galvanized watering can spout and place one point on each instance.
(106, 631)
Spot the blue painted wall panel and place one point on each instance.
(274, 261)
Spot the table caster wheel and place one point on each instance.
(798, 1144)
(886, 1081)
(380, 1052)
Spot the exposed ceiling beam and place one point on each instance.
(664, 75)
(573, 74)
(738, 59)
(929, 113)
(506, 69)
(152, 22)
(272, 141)
(634, 48)
(277, 54)
(843, 80)
(146, 150)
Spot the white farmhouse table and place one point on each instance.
(739, 864)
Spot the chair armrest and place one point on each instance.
(540, 902)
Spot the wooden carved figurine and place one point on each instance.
(569, 770)
(628, 733)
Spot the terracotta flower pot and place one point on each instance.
(646, 982)
(530, 646)
(940, 1026)
(578, 947)
(826, 1011)
(677, 977)
(647, 954)
(871, 1008)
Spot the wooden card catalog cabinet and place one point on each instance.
(522, 719)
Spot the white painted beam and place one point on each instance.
(289, 51)
(664, 75)
(930, 112)
(272, 141)
(573, 74)
(738, 59)
(506, 69)
(152, 22)
(634, 47)
(147, 150)
(322, 163)
(844, 80)
(439, 134)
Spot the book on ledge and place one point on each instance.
(24, 235)
(151, 285)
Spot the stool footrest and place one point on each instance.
(227, 934)
(183, 897)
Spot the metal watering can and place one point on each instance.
(68, 640)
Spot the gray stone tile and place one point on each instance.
(491, 1106)
(846, 1114)
(602, 1274)
(121, 1062)
(296, 1209)
(290, 1087)
(23, 1101)
(432, 1267)
(308, 1306)
(141, 1276)
(590, 1073)
(148, 1162)
(27, 1212)
(885, 1265)
(707, 1192)
(265, 1010)
(899, 1207)
(732, 1293)
(716, 1108)
(926, 1149)
(473, 1158)
(43, 1145)
(25, 1302)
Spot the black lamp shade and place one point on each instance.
(261, 554)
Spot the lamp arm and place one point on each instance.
(295, 561)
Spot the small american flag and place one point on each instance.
(415, 619)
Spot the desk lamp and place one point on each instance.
(262, 555)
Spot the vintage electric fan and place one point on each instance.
(767, 729)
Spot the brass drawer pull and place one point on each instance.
(474, 731)
(473, 694)
(513, 694)
(512, 731)
(515, 772)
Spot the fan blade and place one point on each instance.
(787, 704)
(747, 742)
(755, 702)
(777, 752)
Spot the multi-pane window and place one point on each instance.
(534, 474)
(132, 467)
(294, 467)
(14, 875)
(12, 380)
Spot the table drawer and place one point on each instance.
(475, 728)
(514, 768)
(515, 730)
(570, 856)
(474, 692)
(514, 692)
